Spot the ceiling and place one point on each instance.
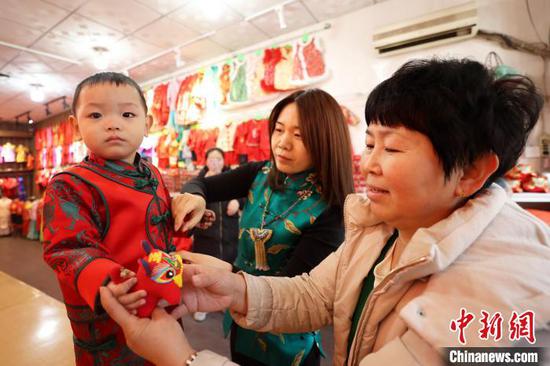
(133, 31)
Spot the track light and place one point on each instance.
(29, 119)
(281, 16)
(179, 60)
(65, 104)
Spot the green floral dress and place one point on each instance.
(270, 228)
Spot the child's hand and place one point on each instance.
(131, 301)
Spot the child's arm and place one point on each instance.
(72, 236)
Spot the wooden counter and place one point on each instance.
(34, 329)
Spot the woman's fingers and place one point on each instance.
(115, 310)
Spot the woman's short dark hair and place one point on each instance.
(107, 78)
(462, 108)
(326, 137)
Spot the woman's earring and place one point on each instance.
(460, 193)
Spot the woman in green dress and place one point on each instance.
(292, 218)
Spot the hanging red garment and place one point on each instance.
(272, 56)
(257, 141)
(160, 109)
(239, 144)
(315, 65)
(163, 151)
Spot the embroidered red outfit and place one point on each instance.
(96, 215)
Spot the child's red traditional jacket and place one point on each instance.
(96, 215)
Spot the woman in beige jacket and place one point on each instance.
(435, 245)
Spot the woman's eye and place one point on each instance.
(390, 150)
(369, 147)
(297, 135)
(279, 130)
(94, 115)
(128, 114)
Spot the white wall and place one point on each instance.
(356, 69)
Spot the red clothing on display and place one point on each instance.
(315, 65)
(239, 145)
(257, 140)
(96, 216)
(272, 56)
(160, 109)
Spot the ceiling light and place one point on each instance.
(101, 58)
(281, 16)
(37, 94)
(211, 9)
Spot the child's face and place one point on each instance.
(111, 120)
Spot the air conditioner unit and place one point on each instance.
(447, 25)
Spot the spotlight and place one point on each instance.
(65, 104)
(29, 119)
(281, 16)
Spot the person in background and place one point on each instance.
(98, 213)
(220, 239)
(292, 217)
(434, 250)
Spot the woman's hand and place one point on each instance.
(131, 301)
(232, 207)
(188, 210)
(207, 288)
(160, 339)
(207, 260)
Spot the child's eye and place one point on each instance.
(128, 114)
(297, 135)
(390, 150)
(94, 115)
(369, 147)
(279, 130)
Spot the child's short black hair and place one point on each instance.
(461, 108)
(110, 78)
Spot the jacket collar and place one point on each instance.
(438, 246)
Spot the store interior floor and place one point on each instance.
(22, 259)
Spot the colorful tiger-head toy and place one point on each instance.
(160, 275)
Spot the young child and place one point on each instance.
(98, 213)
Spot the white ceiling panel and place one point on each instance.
(31, 64)
(35, 14)
(126, 16)
(202, 50)
(326, 9)
(166, 33)
(17, 105)
(131, 50)
(239, 36)
(163, 6)
(248, 8)
(296, 17)
(6, 54)
(64, 47)
(21, 35)
(206, 15)
(67, 4)
(133, 31)
(86, 32)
